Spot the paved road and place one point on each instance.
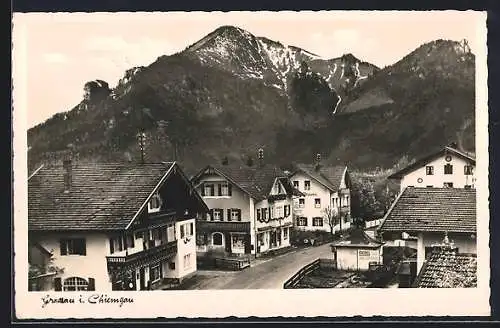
(264, 274)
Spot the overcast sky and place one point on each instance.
(59, 52)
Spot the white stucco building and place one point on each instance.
(114, 226)
(448, 168)
(250, 210)
(327, 194)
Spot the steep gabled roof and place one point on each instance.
(102, 196)
(256, 181)
(446, 268)
(432, 209)
(328, 176)
(424, 160)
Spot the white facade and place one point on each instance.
(318, 200)
(93, 265)
(433, 173)
(263, 233)
(357, 259)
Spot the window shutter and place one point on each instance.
(203, 189)
(57, 284)
(211, 215)
(63, 246)
(269, 211)
(212, 190)
(84, 247)
(111, 246)
(258, 214)
(229, 190)
(221, 211)
(192, 228)
(220, 189)
(229, 214)
(305, 221)
(239, 214)
(91, 285)
(132, 242)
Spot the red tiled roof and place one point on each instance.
(256, 181)
(432, 209)
(328, 176)
(101, 197)
(426, 159)
(447, 269)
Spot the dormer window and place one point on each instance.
(154, 203)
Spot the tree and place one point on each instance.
(332, 217)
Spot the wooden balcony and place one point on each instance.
(223, 226)
(138, 259)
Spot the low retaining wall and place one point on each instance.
(319, 263)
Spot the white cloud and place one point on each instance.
(55, 58)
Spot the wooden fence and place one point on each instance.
(296, 278)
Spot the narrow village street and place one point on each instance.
(270, 273)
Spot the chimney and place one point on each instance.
(261, 157)
(318, 162)
(68, 174)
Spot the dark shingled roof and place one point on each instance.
(357, 238)
(101, 197)
(256, 181)
(432, 209)
(328, 176)
(426, 159)
(445, 268)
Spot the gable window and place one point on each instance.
(302, 221)
(74, 246)
(468, 170)
(302, 202)
(154, 203)
(218, 214)
(448, 169)
(429, 170)
(234, 214)
(208, 189)
(317, 202)
(317, 222)
(224, 189)
(277, 188)
(448, 184)
(279, 211)
(186, 230)
(307, 185)
(75, 284)
(296, 184)
(217, 239)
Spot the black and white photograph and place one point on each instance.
(250, 160)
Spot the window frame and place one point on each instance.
(188, 262)
(221, 239)
(303, 201)
(296, 184)
(211, 189)
(152, 269)
(302, 219)
(429, 170)
(76, 286)
(307, 184)
(156, 196)
(468, 169)
(69, 246)
(448, 169)
(317, 219)
(317, 202)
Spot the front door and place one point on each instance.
(142, 278)
(228, 240)
(273, 238)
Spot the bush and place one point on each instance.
(298, 237)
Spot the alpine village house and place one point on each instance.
(250, 210)
(326, 202)
(113, 226)
(436, 206)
